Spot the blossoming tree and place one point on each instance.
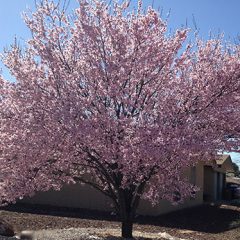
(108, 98)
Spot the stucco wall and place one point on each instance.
(84, 196)
(209, 183)
(214, 183)
(73, 196)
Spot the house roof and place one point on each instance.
(225, 162)
(222, 163)
(222, 158)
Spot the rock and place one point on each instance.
(27, 235)
(6, 229)
(169, 237)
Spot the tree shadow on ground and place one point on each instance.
(60, 211)
(204, 218)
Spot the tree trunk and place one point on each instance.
(128, 200)
(127, 228)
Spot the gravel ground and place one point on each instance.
(65, 234)
(200, 223)
(97, 234)
(91, 234)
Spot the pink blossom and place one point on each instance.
(109, 94)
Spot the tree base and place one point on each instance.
(127, 229)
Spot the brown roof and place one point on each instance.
(225, 161)
(222, 158)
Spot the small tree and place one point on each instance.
(236, 170)
(104, 97)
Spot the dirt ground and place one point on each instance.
(206, 222)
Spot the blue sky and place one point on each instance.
(210, 15)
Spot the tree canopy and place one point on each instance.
(108, 97)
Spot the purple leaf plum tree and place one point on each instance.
(109, 98)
